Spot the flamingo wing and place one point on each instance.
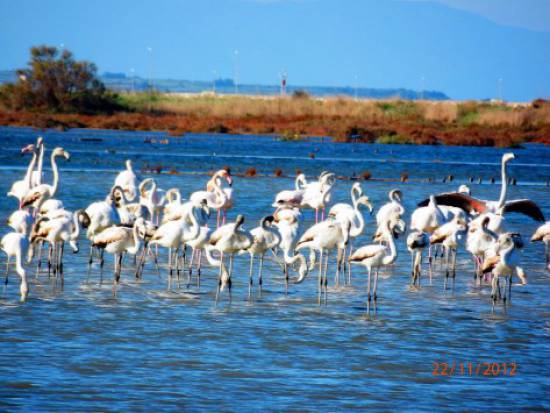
(459, 200)
(526, 207)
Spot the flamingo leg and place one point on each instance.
(349, 264)
(39, 262)
(199, 270)
(260, 275)
(219, 278)
(375, 284)
(231, 257)
(169, 267)
(7, 270)
(320, 279)
(325, 281)
(250, 276)
(369, 269)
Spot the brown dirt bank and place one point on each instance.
(503, 130)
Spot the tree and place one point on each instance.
(54, 81)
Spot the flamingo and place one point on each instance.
(215, 199)
(447, 235)
(152, 198)
(387, 210)
(128, 181)
(503, 264)
(374, 256)
(543, 234)
(317, 194)
(214, 182)
(118, 240)
(57, 231)
(99, 216)
(14, 244)
(500, 207)
(50, 206)
(479, 240)
(417, 241)
(21, 221)
(428, 219)
(36, 178)
(39, 194)
(20, 188)
(265, 237)
(287, 221)
(227, 239)
(346, 212)
(323, 237)
(292, 198)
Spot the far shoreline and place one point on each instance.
(340, 119)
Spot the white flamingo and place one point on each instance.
(417, 241)
(350, 213)
(56, 231)
(216, 199)
(117, 241)
(323, 237)
(287, 220)
(227, 239)
(265, 237)
(391, 208)
(317, 194)
(504, 263)
(152, 198)
(128, 181)
(37, 175)
(428, 219)
(374, 256)
(292, 198)
(447, 235)
(20, 189)
(479, 240)
(14, 244)
(21, 221)
(39, 194)
(543, 234)
(216, 181)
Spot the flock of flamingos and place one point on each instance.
(136, 218)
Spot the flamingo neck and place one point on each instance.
(356, 231)
(389, 259)
(137, 241)
(76, 227)
(503, 186)
(55, 175)
(505, 255)
(221, 196)
(40, 164)
(28, 175)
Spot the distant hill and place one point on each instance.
(122, 82)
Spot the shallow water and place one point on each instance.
(75, 347)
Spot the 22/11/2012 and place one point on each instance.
(469, 368)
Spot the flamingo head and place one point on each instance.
(28, 148)
(364, 200)
(507, 157)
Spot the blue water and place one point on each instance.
(74, 347)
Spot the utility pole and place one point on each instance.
(150, 54)
(236, 76)
(284, 76)
(214, 73)
(499, 88)
(355, 86)
(132, 72)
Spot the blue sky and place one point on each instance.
(461, 47)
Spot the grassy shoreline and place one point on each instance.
(344, 119)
